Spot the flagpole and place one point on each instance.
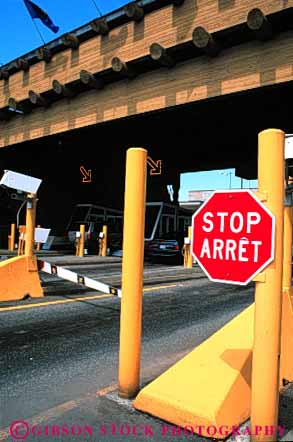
(38, 31)
(96, 6)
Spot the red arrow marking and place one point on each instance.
(156, 166)
(87, 175)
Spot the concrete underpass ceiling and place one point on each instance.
(208, 135)
(211, 134)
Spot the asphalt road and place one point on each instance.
(59, 360)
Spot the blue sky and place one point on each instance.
(216, 179)
(70, 14)
(20, 35)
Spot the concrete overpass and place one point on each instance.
(193, 81)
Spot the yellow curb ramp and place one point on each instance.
(18, 278)
(211, 386)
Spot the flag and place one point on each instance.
(36, 12)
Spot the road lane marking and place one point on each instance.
(83, 298)
(59, 410)
(159, 287)
(56, 412)
(52, 413)
(106, 390)
(60, 301)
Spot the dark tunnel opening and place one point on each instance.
(210, 134)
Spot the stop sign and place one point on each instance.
(233, 236)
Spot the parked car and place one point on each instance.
(167, 248)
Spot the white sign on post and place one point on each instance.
(288, 146)
(41, 235)
(18, 181)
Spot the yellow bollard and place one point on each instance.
(286, 359)
(76, 246)
(100, 243)
(30, 225)
(185, 255)
(287, 261)
(132, 272)
(81, 241)
(104, 241)
(268, 294)
(189, 256)
(12, 238)
(187, 251)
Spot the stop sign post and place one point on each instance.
(233, 236)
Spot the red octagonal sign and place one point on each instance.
(233, 236)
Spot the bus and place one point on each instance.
(162, 221)
(94, 217)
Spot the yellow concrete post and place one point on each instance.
(268, 294)
(100, 244)
(38, 243)
(132, 272)
(81, 241)
(189, 256)
(185, 255)
(30, 225)
(187, 251)
(12, 237)
(286, 360)
(104, 241)
(287, 260)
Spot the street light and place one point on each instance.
(230, 174)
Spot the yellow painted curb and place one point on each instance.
(18, 278)
(208, 387)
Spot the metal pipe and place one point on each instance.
(18, 213)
